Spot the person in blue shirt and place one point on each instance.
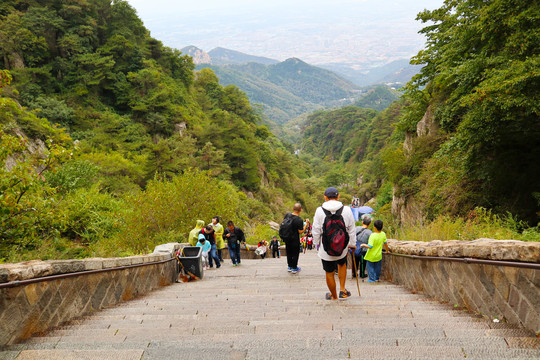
(205, 250)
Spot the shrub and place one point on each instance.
(167, 210)
(258, 232)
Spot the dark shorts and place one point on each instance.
(331, 266)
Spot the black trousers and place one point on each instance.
(274, 252)
(293, 251)
(360, 266)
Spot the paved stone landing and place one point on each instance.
(260, 311)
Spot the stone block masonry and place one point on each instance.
(38, 295)
(498, 279)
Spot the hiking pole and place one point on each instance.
(356, 272)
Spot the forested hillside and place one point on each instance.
(463, 142)
(378, 98)
(289, 88)
(112, 143)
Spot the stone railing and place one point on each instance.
(38, 295)
(499, 279)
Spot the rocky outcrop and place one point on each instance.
(406, 209)
(199, 56)
(427, 126)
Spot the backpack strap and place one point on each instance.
(328, 213)
(360, 231)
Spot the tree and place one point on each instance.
(481, 75)
(26, 199)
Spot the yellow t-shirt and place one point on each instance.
(376, 241)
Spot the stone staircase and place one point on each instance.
(260, 311)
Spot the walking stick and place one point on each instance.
(356, 272)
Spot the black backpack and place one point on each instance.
(335, 237)
(286, 227)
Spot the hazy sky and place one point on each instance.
(342, 31)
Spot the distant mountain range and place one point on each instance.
(397, 73)
(222, 56)
(290, 88)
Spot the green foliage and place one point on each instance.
(384, 196)
(89, 215)
(480, 223)
(137, 112)
(259, 232)
(329, 133)
(26, 201)
(171, 207)
(377, 98)
(481, 79)
(73, 174)
(57, 112)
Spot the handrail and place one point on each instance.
(474, 261)
(78, 273)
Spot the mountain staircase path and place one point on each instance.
(260, 311)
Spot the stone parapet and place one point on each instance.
(502, 290)
(507, 250)
(38, 295)
(37, 268)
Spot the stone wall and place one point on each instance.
(38, 295)
(447, 271)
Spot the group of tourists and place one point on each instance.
(335, 235)
(212, 238)
(333, 232)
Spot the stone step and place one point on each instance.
(259, 311)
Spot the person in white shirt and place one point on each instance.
(332, 205)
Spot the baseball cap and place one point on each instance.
(331, 192)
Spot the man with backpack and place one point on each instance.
(289, 231)
(334, 230)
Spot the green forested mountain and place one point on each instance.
(331, 134)
(112, 143)
(289, 88)
(378, 98)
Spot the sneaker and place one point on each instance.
(289, 269)
(233, 264)
(344, 294)
(328, 296)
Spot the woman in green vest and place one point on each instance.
(194, 234)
